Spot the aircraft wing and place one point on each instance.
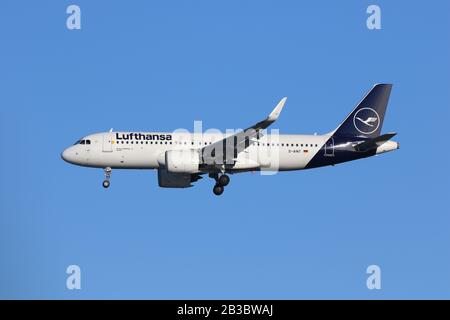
(239, 141)
(374, 142)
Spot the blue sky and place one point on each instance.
(160, 65)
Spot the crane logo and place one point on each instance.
(366, 120)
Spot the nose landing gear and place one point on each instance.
(106, 182)
(221, 181)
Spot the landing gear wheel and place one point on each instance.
(106, 182)
(224, 180)
(218, 190)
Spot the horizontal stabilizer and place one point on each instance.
(374, 142)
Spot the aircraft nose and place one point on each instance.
(68, 155)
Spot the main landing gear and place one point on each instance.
(106, 182)
(221, 182)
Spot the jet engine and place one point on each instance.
(182, 161)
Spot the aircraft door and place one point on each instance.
(107, 142)
(329, 148)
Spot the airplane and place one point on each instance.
(182, 158)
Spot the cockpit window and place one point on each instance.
(83, 141)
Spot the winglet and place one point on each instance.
(276, 112)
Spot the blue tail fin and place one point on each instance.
(367, 118)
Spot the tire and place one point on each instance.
(218, 190)
(224, 180)
(106, 184)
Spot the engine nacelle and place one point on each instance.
(182, 161)
(173, 180)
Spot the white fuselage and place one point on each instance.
(146, 150)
